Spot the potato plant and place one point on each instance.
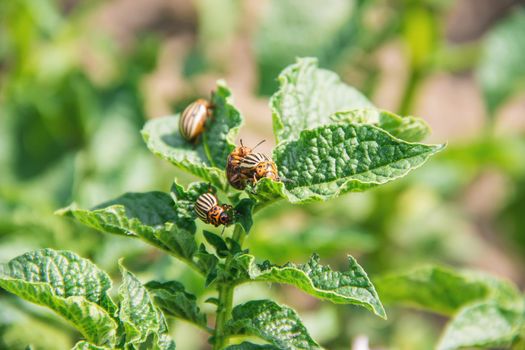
(330, 140)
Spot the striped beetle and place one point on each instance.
(193, 119)
(235, 178)
(256, 166)
(208, 210)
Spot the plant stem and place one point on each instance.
(223, 314)
(225, 289)
(238, 234)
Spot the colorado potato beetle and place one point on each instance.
(235, 178)
(256, 166)
(193, 119)
(208, 210)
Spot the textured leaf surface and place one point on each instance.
(307, 97)
(164, 140)
(221, 131)
(443, 290)
(251, 346)
(137, 311)
(84, 345)
(334, 159)
(71, 286)
(244, 213)
(482, 325)
(152, 217)
(349, 287)
(272, 322)
(409, 128)
(501, 71)
(207, 158)
(267, 191)
(175, 301)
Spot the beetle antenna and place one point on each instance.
(242, 143)
(257, 145)
(222, 232)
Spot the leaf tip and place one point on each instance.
(66, 211)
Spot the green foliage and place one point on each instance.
(501, 70)
(220, 133)
(411, 129)
(486, 311)
(331, 140)
(338, 158)
(272, 322)
(436, 289)
(172, 298)
(84, 345)
(307, 97)
(206, 159)
(349, 287)
(148, 216)
(250, 346)
(71, 286)
(485, 324)
(138, 314)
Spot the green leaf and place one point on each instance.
(486, 325)
(207, 263)
(164, 342)
(163, 139)
(307, 97)
(217, 242)
(184, 202)
(244, 213)
(251, 346)
(443, 290)
(220, 133)
(71, 286)
(349, 287)
(137, 312)
(84, 345)
(206, 159)
(267, 191)
(175, 301)
(272, 322)
(411, 129)
(334, 159)
(501, 71)
(151, 216)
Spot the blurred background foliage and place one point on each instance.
(78, 79)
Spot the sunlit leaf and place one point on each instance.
(137, 312)
(351, 286)
(443, 290)
(221, 131)
(485, 325)
(411, 129)
(334, 159)
(251, 346)
(69, 285)
(207, 157)
(307, 98)
(150, 216)
(272, 322)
